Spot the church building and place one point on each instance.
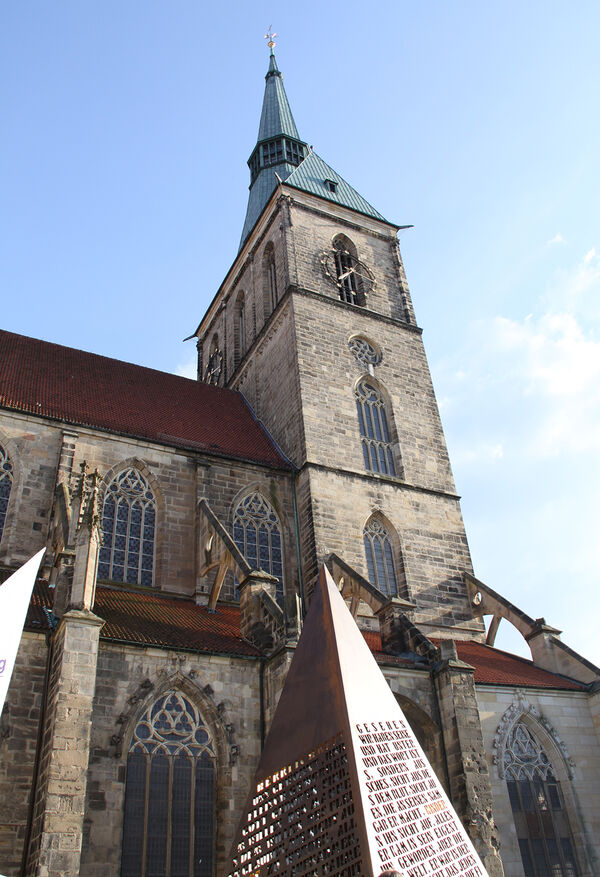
(185, 523)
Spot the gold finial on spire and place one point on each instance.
(270, 38)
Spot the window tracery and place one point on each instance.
(537, 802)
(373, 424)
(380, 557)
(170, 793)
(257, 534)
(6, 481)
(128, 530)
(345, 264)
(364, 351)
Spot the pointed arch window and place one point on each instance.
(170, 793)
(257, 534)
(6, 481)
(128, 530)
(374, 431)
(345, 262)
(269, 280)
(239, 328)
(380, 558)
(543, 831)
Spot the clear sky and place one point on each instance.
(126, 130)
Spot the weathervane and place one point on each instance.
(270, 37)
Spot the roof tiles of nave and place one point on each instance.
(84, 389)
(151, 618)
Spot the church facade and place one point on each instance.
(185, 523)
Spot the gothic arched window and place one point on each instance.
(345, 264)
(269, 280)
(170, 793)
(537, 803)
(257, 533)
(373, 424)
(6, 480)
(380, 559)
(128, 530)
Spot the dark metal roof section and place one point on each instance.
(280, 155)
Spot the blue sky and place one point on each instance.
(127, 127)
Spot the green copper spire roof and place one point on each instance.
(278, 149)
(280, 153)
(276, 117)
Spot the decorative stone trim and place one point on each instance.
(174, 672)
(519, 708)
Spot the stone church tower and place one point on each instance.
(315, 326)
(185, 523)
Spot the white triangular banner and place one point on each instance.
(15, 594)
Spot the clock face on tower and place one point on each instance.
(214, 367)
(350, 275)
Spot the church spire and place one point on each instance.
(278, 150)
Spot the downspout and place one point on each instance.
(298, 558)
(261, 696)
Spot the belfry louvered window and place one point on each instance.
(257, 533)
(349, 290)
(537, 802)
(128, 530)
(373, 425)
(380, 558)
(169, 821)
(6, 480)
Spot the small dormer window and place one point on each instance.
(331, 185)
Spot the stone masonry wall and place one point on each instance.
(19, 727)
(128, 681)
(564, 725)
(179, 481)
(429, 535)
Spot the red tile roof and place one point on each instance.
(89, 390)
(152, 619)
(496, 667)
(493, 666)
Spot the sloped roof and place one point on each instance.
(152, 618)
(495, 667)
(85, 389)
(276, 116)
(310, 176)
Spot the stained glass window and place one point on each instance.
(6, 480)
(372, 421)
(543, 831)
(128, 530)
(170, 793)
(257, 533)
(380, 558)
